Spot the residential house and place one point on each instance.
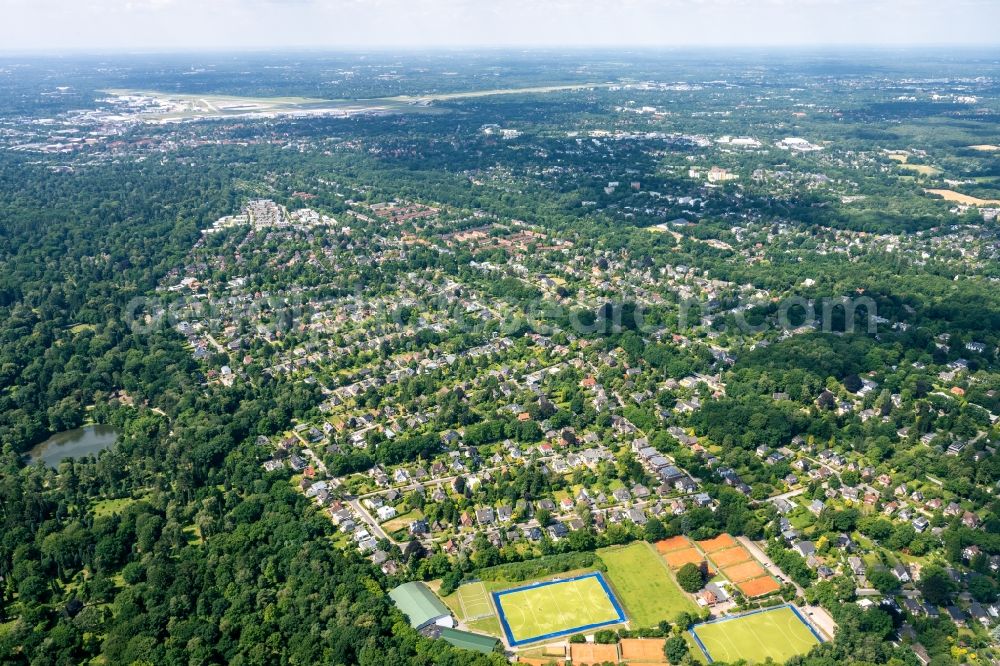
(636, 515)
(805, 548)
(557, 531)
(621, 495)
(956, 615)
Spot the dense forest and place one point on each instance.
(210, 561)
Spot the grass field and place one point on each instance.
(451, 601)
(103, 508)
(958, 197)
(499, 91)
(402, 521)
(556, 608)
(922, 169)
(180, 106)
(487, 625)
(475, 601)
(644, 584)
(778, 633)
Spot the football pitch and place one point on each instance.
(776, 633)
(556, 608)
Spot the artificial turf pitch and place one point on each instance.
(556, 608)
(779, 633)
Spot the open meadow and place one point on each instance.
(644, 584)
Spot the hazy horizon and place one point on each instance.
(750, 49)
(59, 26)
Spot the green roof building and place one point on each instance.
(469, 641)
(421, 606)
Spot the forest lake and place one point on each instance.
(77, 443)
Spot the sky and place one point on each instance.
(151, 25)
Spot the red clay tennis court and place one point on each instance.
(730, 556)
(679, 558)
(592, 653)
(649, 650)
(746, 571)
(672, 544)
(720, 542)
(758, 587)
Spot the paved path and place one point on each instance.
(771, 567)
(821, 620)
(789, 495)
(317, 463)
(214, 342)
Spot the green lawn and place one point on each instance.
(644, 584)
(801, 519)
(194, 535)
(776, 634)
(696, 654)
(451, 601)
(556, 608)
(488, 625)
(401, 521)
(108, 507)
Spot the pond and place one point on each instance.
(76, 443)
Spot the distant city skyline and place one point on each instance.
(106, 25)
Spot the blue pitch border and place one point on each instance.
(794, 610)
(506, 627)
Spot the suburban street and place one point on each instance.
(373, 525)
